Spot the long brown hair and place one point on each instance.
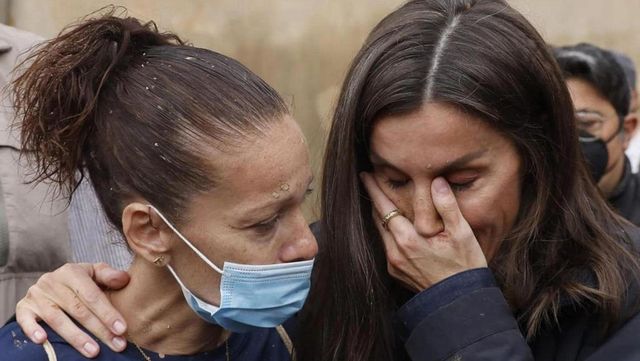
(483, 57)
(136, 108)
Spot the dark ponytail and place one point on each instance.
(57, 97)
(134, 107)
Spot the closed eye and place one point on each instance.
(395, 184)
(308, 192)
(266, 226)
(461, 186)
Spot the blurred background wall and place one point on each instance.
(304, 47)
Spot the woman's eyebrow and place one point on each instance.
(378, 160)
(255, 211)
(589, 111)
(463, 160)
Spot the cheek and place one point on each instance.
(491, 213)
(480, 211)
(615, 149)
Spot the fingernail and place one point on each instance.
(38, 336)
(118, 327)
(119, 342)
(90, 348)
(441, 186)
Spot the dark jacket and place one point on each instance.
(626, 197)
(257, 345)
(466, 317)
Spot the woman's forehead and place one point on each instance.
(436, 130)
(265, 165)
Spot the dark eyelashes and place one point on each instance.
(394, 184)
(269, 224)
(266, 226)
(456, 187)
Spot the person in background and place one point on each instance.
(602, 97)
(93, 239)
(33, 226)
(633, 150)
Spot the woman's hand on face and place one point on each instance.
(75, 289)
(417, 261)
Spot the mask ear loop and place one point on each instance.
(202, 256)
(620, 130)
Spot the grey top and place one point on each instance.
(33, 226)
(93, 239)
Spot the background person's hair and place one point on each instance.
(137, 109)
(599, 68)
(628, 66)
(485, 58)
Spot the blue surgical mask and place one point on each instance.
(251, 296)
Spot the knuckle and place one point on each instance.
(32, 293)
(45, 279)
(22, 306)
(394, 260)
(54, 317)
(91, 296)
(404, 237)
(79, 310)
(390, 269)
(403, 242)
(67, 268)
(22, 313)
(448, 206)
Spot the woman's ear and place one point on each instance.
(146, 233)
(630, 125)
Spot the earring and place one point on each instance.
(159, 261)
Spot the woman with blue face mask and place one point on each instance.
(198, 163)
(458, 219)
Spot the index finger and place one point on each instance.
(83, 284)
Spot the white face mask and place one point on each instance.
(251, 296)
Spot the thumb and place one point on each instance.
(106, 276)
(445, 203)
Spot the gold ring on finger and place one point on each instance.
(387, 217)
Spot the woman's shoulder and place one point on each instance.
(16, 346)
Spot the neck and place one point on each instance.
(158, 317)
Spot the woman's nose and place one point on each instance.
(426, 219)
(302, 246)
